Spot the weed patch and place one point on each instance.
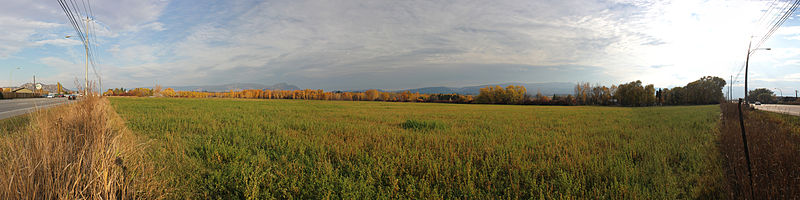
(422, 125)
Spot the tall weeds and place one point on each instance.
(774, 155)
(77, 151)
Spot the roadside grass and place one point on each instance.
(774, 146)
(236, 149)
(791, 122)
(75, 151)
(14, 124)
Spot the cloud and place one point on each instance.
(17, 33)
(399, 44)
(58, 42)
(788, 30)
(315, 40)
(32, 24)
(335, 39)
(130, 15)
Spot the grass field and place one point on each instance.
(226, 148)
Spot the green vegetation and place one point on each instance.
(422, 125)
(238, 148)
(13, 124)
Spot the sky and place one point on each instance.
(388, 44)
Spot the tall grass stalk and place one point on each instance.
(76, 151)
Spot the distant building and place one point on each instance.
(22, 90)
(786, 99)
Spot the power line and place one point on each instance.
(776, 22)
(76, 14)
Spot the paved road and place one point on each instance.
(785, 109)
(14, 107)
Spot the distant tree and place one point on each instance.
(570, 100)
(706, 90)
(634, 94)
(385, 96)
(372, 95)
(583, 93)
(762, 95)
(497, 95)
(516, 94)
(169, 92)
(606, 95)
(659, 96)
(157, 90)
(649, 95)
(405, 96)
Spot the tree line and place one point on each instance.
(306, 94)
(706, 90)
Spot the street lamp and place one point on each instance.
(779, 90)
(86, 46)
(747, 65)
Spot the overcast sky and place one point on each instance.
(349, 44)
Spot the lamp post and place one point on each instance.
(747, 65)
(86, 47)
(779, 90)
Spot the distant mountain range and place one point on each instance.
(546, 88)
(234, 86)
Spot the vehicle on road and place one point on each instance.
(758, 103)
(50, 96)
(71, 97)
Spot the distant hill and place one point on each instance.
(234, 86)
(50, 88)
(546, 88)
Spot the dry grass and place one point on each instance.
(77, 151)
(774, 154)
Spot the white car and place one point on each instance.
(758, 103)
(50, 96)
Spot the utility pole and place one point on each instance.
(730, 89)
(746, 66)
(86, 46)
